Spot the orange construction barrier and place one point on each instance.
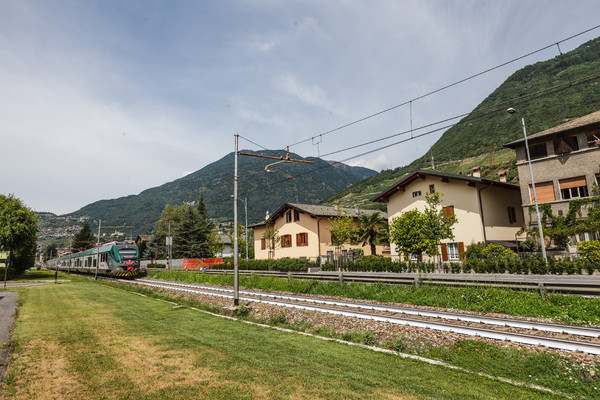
(200, 263)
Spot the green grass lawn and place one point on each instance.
(82, 340)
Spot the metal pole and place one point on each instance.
(6, 268)
(169, 244)
(246, 228)
(98, 248)
(236, 256)
(537, 209)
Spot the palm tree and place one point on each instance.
(372, 230)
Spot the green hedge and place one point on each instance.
(10, 274)
(281, 264)
(492, 265)
(156, 265)
(380, 264)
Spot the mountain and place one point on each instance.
(264, 191)
(546, 94)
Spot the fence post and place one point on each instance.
(417, 282)
(289, 275)
(542, 290)
(341, 278)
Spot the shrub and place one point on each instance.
(590, 254)
(281, 264)
(10, 274)
(156, 265)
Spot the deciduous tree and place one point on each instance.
(18, 232)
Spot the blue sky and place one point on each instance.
(103, 99)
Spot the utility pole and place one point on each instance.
(98, 248)
(6, 268)
(169, 243)
(246, 228)
(236, 256)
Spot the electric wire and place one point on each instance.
(443, 88)
(478, 114)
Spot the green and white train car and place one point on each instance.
(115, 260)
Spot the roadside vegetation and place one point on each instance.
(82, 340)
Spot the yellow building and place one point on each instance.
(487, 211)
(304, 232)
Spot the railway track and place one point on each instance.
(555, 336)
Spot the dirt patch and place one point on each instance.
(156, 369)
(41, 372)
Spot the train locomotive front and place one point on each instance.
(120, 260)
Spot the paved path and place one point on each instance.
(8, 306)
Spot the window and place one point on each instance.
(286, 240)
(288, 216)
(573, 187)
(512, 215)
(538, 151)
(302, 239)
(544, 191)
(448, 211)
(416, 193)
(453, 251)
(565, 145)
(296, 215)
(432, 188)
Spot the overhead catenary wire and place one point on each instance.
(478, 114)
(442, 88)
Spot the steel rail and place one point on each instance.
(512, 323)
(561, 344)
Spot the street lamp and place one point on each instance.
(537, 209)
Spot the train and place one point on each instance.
(118, 260)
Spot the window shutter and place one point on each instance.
(461, 250)
(406, 256)
(263, 244)
(448, 211)
(571, 182)
(444, 251)
(544, 191)
(297, 239)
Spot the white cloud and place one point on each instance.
(380, 163)
(310, 94)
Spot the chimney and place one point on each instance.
(476, 172)
(502, 175)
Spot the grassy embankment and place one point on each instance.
(82, 340)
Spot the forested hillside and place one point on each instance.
(546, 94)
(264, 191)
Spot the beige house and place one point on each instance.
(304, 232)
(487, 211)
(565, 161)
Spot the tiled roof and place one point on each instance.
(321, 211)
(421, 173)
(586, 120)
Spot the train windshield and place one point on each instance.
(128, 254)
